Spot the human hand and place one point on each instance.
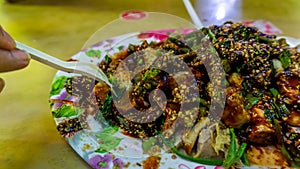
(10, 57)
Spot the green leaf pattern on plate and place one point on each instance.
(66, 111)
(93, 53)
(107, 141)
(57, 85)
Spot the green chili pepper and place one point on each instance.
(197, 160)
(245, 159)
(190, 158)
(285, 152)
(240, 152)
(297, 160)
(232, 150)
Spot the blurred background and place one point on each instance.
(28, 135)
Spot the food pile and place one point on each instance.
(261, 113)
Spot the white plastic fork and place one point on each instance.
(83, 68)
(193, 14)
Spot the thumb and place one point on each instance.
(2, 83)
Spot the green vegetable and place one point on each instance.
(284, 109)
(190, 41)
(151, 73)
(274, 92)
(251, 101)
(240, 152)
(245, 159)
(106, 110)
(269, 114)
(277, 108)
(232, 150)
(131, 47)
(107, 59)
(233, 154)
(285, 152)
(197, 160)
(172, 39)
(212, 36)
(226, 65)
(187, 157)
(120, 47)
(265, 39)
(285, 59)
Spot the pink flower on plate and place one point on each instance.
(183, 166)
(219, 167)
(156, 34)
(106, 162)
(101, 162)
(118, 164)
(188, 30)
(200, 167)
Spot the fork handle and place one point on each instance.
(44, 58)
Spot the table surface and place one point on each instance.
(28, 135)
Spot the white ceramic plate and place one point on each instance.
(99, 144)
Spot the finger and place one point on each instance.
(1, 84)
(13, 60)
(6, 41)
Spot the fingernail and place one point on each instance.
(21, 55)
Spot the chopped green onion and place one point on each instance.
(107, 59)
(284, 110)
(212, 36)
(285, 59)
(131, 47)
(251, 101)
(274, 92)
(172, 39)
(226, 65)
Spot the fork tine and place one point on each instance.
(85, 68)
